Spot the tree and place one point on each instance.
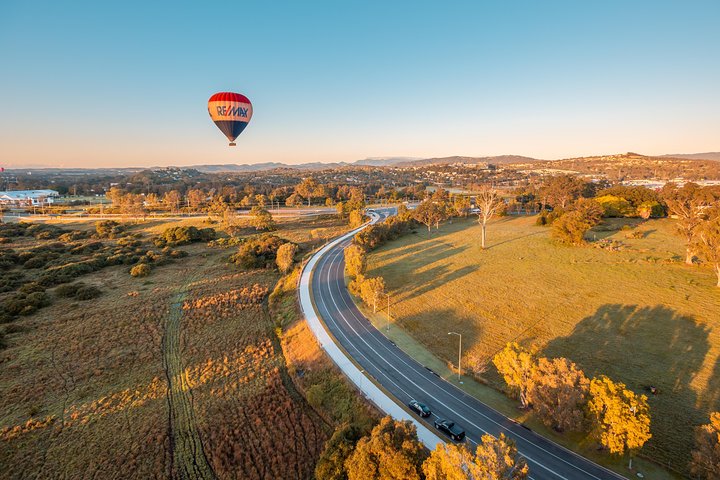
(293, 200)
(488, 200)
(707, 243)
(560, 190)
(497, 459)
(261, 219)
(331, 464)
(705, 461)
(571, 227)
(392, 451)
(687, 204)
(559, 393)
(517, 366)
(461, 205)
(371, 290)
(307, 188)
(355, 219)
(449, 462)
(195, 199)
(620, 419)
(172, 200)
(428, 213)
(286, 256)
(115, 195)
(355, 260)
(132, 204)
(494, 459)
(615, 206)
(229, 218)
(151, 200)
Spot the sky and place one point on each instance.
(98, 84)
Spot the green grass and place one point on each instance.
(638, 315)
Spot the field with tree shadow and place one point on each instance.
(637, 314)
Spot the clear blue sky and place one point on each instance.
(126, 83)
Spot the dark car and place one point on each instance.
(419, 408)
(450, 429)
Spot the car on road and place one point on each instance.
(419, 408)
(450, 429)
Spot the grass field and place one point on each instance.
(638, 315)
(176, 375)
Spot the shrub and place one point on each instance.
(258, 252)
(108, 229)
(32, 287)
(140, 270)
(87, 292)
(286, 256)
(10, 281)
(68, 290)
(184, 235)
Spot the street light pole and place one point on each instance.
(459, 351)
(388, 317)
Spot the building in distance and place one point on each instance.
(28, 197)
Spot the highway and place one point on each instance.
(406, 379)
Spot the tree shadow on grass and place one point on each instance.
(433, 278)
(643, 347)
(417, 257)
(710, 399)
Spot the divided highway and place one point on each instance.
(405, 379)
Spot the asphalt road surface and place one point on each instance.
(406, 379)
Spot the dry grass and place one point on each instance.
(638, 315)
(87, 389)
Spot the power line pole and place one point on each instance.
(388, 316)
(459, 352)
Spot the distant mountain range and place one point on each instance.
(696, 156)
(367, 162)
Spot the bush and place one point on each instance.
(108, 229)
(140, 270)
(286, 256)
(258, 252)
(87, 292)
(184, 235)
(68, 290)
(22, 304)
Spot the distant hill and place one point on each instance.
(696, 156)
(384, 161)
(367, 162)
(499, 159)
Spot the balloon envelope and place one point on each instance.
(231, 112)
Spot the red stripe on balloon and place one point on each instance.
(229, 97)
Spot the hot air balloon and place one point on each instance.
(231, 112)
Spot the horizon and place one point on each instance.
(128, 85)
(354, 162)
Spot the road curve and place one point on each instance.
(406, 379)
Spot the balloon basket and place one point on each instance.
(232, 144)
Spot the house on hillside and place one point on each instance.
(20, 198)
